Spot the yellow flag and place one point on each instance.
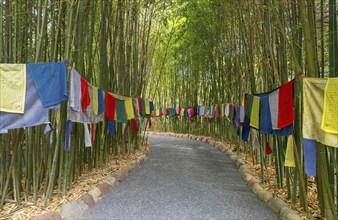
(222, 110)
(182, 112)
(330, 113)
(157, 112)
(254, 119)
(95, 100)
(128, 103)
(147, 103)
(289, 155)
(313, 102)
(12, 87)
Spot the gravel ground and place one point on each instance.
(183, 179)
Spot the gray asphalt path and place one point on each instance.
(183, 179)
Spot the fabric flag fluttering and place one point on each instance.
(289, 155)
(268, 149)
(313, 102)
(254, 116)
(110, 106)
(84, 94)
(310, 156)
(285, 105)
(13, 87)
(330, 112)
(50, 80)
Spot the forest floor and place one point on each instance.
(84, 183)
(269, 185)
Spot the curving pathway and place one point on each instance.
(183, 179)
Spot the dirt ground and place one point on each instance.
(87, 181)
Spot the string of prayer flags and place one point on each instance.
(134, 125)
(34, 113)
(110, 106)
(50, 80)
(227, 109)
(273, 105)
(201, 111)
(268, 149)
(129, 108)
(216, 115)
(111, 128)
(120, 111)
(254, 116)
(84, 94)
(151, 106)
(241, 115)
(313, 102)
(330, 112)
(13, 87)
(309, 148)
(265, 123)
(147, 107)
(84, 117)
(87, 139)
(286, 113)
(75, 91)
(289, 155)
(101, 101)
(246, 129)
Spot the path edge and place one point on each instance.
(276, 204)
(81, 206)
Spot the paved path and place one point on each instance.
(183, 179)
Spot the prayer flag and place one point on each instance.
(12, 87)
(84, 94)
(313, 102)
(289, 155)
(129, 108)
(330, 113)
(110, 106)
(286, 112)
(309, 156)
(254, 117)
(50, 80)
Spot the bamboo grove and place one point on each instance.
(111, 44)
(217, 51)
(178, 53)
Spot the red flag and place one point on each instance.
(192, 112)
(93, 133)
(286, 113)
(234, 116)
(134, 125)
(110, 106)
(245, 101)
(216, 111)
(84, 94)
(139, 104)
(267, 146)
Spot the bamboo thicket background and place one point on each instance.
(177, 52)
(109, 42)
(219, 50)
